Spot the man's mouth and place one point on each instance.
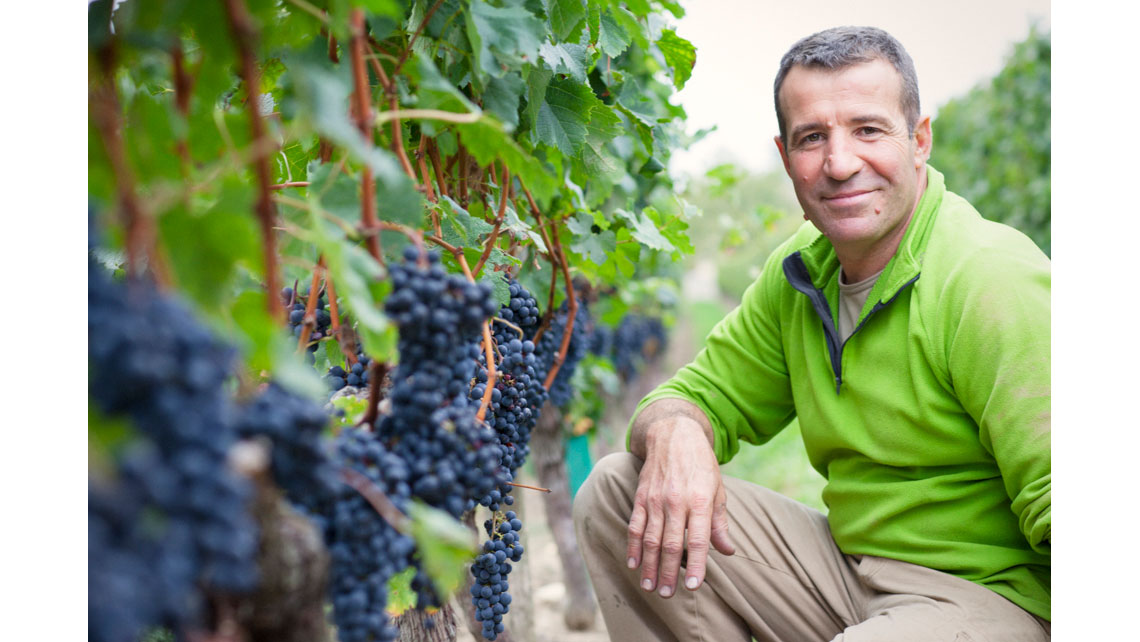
(849, 197)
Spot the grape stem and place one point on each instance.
(509, 325)
(343, 333)
(245, 35)
(106, 112)
(412, 41)
(554, 253)
(183, 84)
(289, 184)
(504, 194)
(310, 320)
(362, 105)
(427, 182)
(544, 490)
(377, 370)
(433, 153)
(377, 499)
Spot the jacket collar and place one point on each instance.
(822, 264)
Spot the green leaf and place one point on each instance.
(564, 113)
(444, 545)
(645, 231)
(224, 237)
(257, 331)
(503, 37)
(401, 597)
(323, 97)
(680, 55)
(358, 281)
(566, 58)
(487, 141)
(463, 230)
(522, 230)
(499, 287)
(354, 409)
(537, 80)
(565, 15)
(502, 98)
(388, 8)
(673, 228)
(614, 34)
(597, 248)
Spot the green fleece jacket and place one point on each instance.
(931, 423)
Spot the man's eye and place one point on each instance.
(811, 138)
(868, 130)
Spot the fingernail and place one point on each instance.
(631, 562)
(692, 583)
(647, 585)
(666, 591)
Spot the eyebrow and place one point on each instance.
(862, 119)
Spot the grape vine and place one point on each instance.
(431, 178)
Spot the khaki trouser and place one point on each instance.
(787, 582)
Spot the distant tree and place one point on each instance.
(993, 143)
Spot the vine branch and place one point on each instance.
(310, 320)
(245, 34)
(423, 23)
(362, 104)
(505, 190)
(377, 499)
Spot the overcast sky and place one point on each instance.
(739, 44)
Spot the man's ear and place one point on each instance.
(924, 142)
(784, 155)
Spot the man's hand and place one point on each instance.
(679, 488)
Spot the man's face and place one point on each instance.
(857, 171)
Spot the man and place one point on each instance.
(911, 339)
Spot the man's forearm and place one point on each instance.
(666, 415)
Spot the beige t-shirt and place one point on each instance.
(852, 296)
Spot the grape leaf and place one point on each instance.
(645, 231)
(595, 247)
(680, 55)
(566, 58)
(614, 34)
(502, 37)
(500, 289)
(487, 141)
(564, 113)
(502, 98)
(565, 15)
(444, 546)
(224, 236)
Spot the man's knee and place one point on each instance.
(612, 478)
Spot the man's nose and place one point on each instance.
(842, 161)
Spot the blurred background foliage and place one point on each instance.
(993, 144)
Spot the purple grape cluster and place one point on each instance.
(173, 518)
(489, 591)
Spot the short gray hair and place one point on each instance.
(841, 47)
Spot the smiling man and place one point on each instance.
(910, 337)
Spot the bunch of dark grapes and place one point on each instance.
(550, 343)
(366, 550)
(429, 445)
(637, 340)
(301, 462)
(489, 592)
(173, 518)
(295, 305)
(355, 376)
